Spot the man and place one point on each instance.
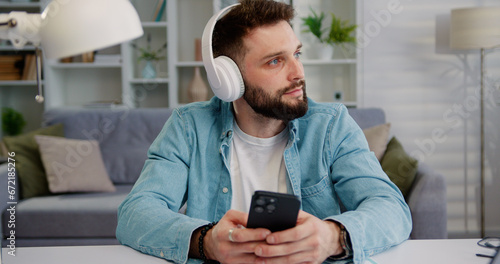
(213, 155)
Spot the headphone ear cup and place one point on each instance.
(232, 86)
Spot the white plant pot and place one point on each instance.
(324, 51)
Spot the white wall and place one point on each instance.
(430, 95)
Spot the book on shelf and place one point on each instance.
(11, 67)
(10, 76)
(10, 59)
(160, 9)
(29, 70)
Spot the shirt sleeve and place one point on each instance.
(376, 215)
(148, 219)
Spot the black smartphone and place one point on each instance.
(274, 211)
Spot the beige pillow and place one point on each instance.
(73, 165)
(377, 137)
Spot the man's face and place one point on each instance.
(273, 74)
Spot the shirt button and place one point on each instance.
(225, 190)
(229, 133)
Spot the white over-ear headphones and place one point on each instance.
(223, 74)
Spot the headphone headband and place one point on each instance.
(222, 73)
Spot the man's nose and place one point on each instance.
(296, 70)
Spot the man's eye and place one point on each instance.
(298, 54)
(273, 62)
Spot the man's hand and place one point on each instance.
(311, 241)
(242, 248)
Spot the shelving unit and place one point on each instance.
(77, 83)
(337, 79)
(140, 92)
(186, 25)
(20, 94)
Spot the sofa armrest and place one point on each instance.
(4, 191)
(427, 202)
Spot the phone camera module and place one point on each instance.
(259, 209)
(260, 202)
(270, 208)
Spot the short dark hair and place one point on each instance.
(240, 20)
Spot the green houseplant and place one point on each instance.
(12, 121)
(339, 33)
(314, 24)
(149, 55)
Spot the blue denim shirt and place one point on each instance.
(327, 159)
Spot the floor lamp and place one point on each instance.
(477, 28)
(71, 27)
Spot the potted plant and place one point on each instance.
(339, 33)
(150, 56)
(12, 121)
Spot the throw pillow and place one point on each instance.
(74, 165)
(399, 166)
(377, 138)
(3, 149)
(29, 167)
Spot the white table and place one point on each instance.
(79, 255)
(456, 251)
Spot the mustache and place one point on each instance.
(293, 86)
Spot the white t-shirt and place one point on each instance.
(256, 164)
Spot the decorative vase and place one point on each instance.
(149, 71)
(197, 89)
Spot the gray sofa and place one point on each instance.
(124, 136)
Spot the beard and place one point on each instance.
(273, 106)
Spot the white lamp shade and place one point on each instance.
(475, 28)
(76, 26)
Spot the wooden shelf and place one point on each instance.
(149, 81)
(16, 5)
(14, 49)
(18, 83)
(189, 64)
(160, 24)
(84, 65)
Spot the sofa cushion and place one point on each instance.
(73, 215)
(367, 117)
(399, 166)
(377, 138)
(73, 165)
(29, 166)
(124, 135)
